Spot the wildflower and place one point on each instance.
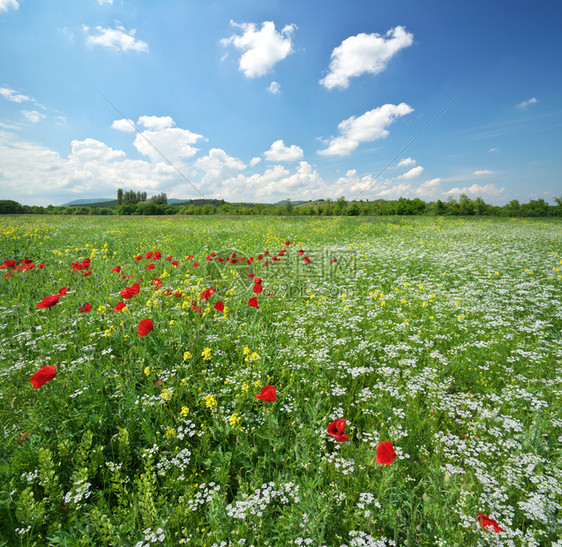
(210, 401)
(306, 259)
(385, 453)
(257, 288)
(337, 430)
(147, 371)
(170, 433)
(102, 309)
(43, 375)
(166, 394)
(48, 302)
(184, 411)
(186, 355)
(86, 307)
(267, 394)
(234, 420)
(487, 522)
(206, 354)
(144, 327)
(253, 302)
(219, 306)
(120, 306)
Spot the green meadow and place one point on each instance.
(441, 336)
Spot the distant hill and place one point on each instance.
(87, 201)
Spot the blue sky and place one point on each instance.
(263, 101)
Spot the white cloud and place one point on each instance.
(274, 88)
(102, 2)
(476, 190)
(525, 104)
(14, 96)
(280, 152)
(174, 143)
(5, 5)
(156, 123)
(217, 166)
(493, 150)
(364, 53)
(118, 39)
(406, 162)
(429, 189)
(255, 161)
(262, 48)
(368, 127)
(124, 124)
(412, 173)
(33, 116)
(482, 172)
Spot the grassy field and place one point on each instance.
(440, 336)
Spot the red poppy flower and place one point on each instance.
(156, 283)
(168, 258)
(48, 302)
(301, 252)
(22, 438)
(260, 256)
(195, 264)
(189, 257)
(10, 263)
(257, 280)
(195, 307)
(116, 269)
(287, 242)
(148, 255)
(175, 263)
(157, 255)
(144, 327)
(385, 453)
(270, 293)
(334, 260)
(27, 261)
(138, 257)
(487, 522)
(41, 266)
(63, 291)
(253, 302)
(86, 307)
(266, 253)
(219, 306)
(250, 261)
(8, 275)
(206, 294)
(120, 306)
(267, 394)
(150, 266)
(257, 288)
(43, 375)
(178, 294)
(337, 430)
(86, 274)
(306, 259)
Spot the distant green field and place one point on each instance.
(441, 336)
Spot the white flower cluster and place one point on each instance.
(362, 539)
(258, 502)
(204, 495)
(180, 460)
(151, 537)
(79, 492)
(344, 466)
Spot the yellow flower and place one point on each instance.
(420, 287)
(234, 420)
(102, 309)
(170, 433)
(210, 401)
(206, 354)
(147, 371)
(166, 394)
(184, 411)
(246, 350)
(186, 355)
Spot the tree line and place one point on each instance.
(137, 203)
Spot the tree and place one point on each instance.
(119, 196)
(9, 207)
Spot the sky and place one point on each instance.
(280, 99)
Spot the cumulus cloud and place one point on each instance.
(261, 48)
(124, 124)
(482, 172)
(217, 166)
(367, 127)
(5, 5)
(412, 173)
(406, 162)
(156, 123)
(364, 53)
(14, 96)
(255, 161)
(102, 2)
(274, 88)
(476, 190)
(280, 152)
(173, 142)
(118, 39)
(525, 104)
(429, 189)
